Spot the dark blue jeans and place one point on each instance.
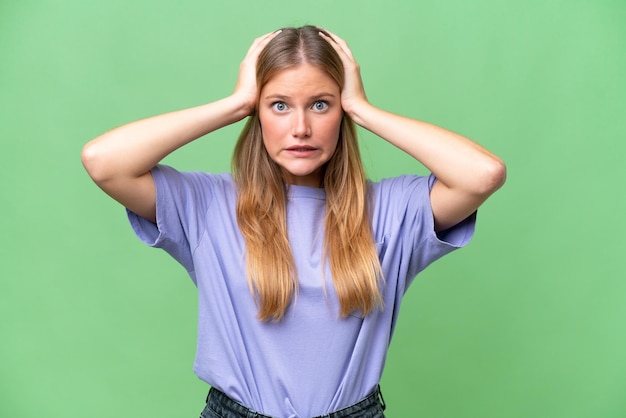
(219, 405)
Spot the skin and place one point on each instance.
(300, 114)
(120, 160)
(467, 173)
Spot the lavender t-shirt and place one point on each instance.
(312, 362)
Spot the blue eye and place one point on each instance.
(279, 106)
(320, 105)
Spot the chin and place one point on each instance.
(303, 178)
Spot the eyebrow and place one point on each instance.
(312, 98)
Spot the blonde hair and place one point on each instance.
(261, 202)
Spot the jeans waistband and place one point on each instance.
(371, 406)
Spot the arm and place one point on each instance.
(467, 173)
(120, 160)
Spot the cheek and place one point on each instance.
(331, 131)
(269, 129)
(272, 128)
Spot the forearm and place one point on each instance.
(133, 149)
(456, 161)
(467, 173)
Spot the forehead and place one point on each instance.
(301, 79)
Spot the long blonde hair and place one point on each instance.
(261, 201)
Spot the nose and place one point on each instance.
(301, 128)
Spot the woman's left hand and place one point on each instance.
(467, 173)
(353, 94)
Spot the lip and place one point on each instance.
(301, 150)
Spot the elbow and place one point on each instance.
(493, 176)
(93, 162)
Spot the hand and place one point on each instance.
(246, 87)
(353, 93)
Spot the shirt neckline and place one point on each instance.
(294, 191)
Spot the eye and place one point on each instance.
(279, 106)
(320, 105)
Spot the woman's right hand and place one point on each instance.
(120, 160)
(246, 88)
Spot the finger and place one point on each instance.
(336, 40)
(261, 42)
(346, 58)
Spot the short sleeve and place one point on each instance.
(182, 199)
(403, 218)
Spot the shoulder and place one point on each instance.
(401, 186)
(402, 200)
(192, 191)
(173, 173)
(167, 175)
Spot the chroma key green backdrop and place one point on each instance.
(526, 322)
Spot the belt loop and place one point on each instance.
(381, 399)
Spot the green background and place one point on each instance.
(527, 321)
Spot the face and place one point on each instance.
(300, 114)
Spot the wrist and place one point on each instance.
(240, 105)
(358, 111)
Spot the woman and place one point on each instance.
(300, 262)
